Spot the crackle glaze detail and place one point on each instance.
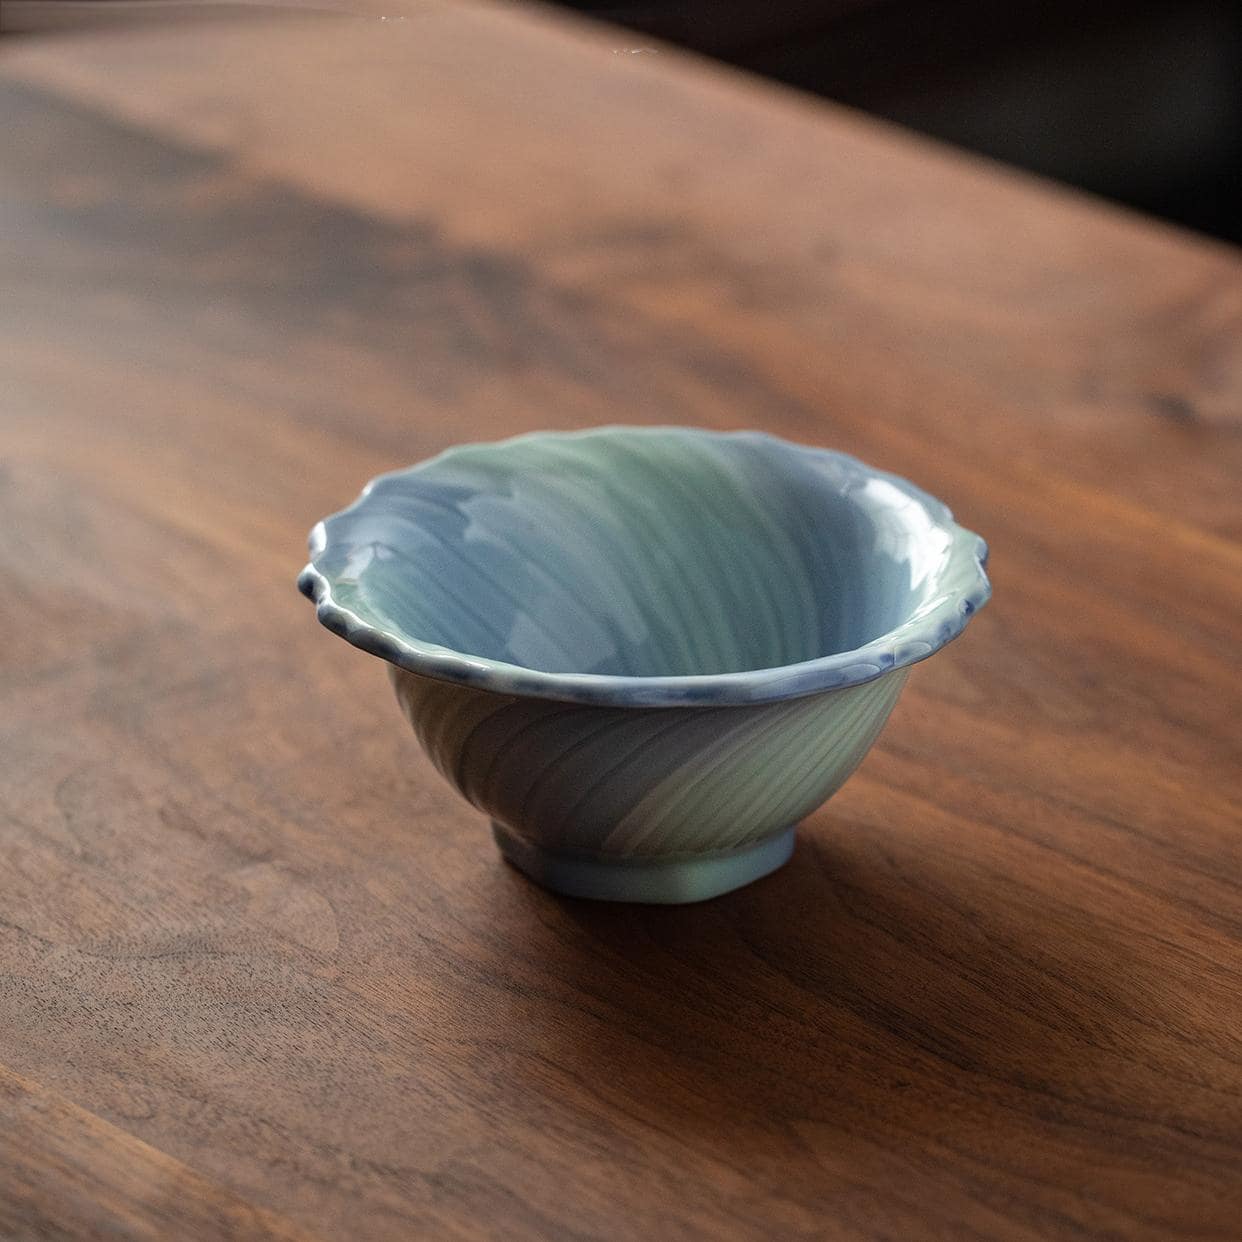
(646, 653)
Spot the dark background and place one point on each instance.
(1141, 103)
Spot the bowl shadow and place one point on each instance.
(869, 986)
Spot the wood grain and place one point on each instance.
(68, 1173)
(262, 974)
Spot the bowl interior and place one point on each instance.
(642, 553)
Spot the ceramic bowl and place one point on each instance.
(645, 653)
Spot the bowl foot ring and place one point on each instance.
(670, 881)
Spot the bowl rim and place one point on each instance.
(961, 588)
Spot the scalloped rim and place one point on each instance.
(963, 582)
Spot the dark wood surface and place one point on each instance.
(262, 975)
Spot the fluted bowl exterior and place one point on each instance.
(626, 783)
(646, 653)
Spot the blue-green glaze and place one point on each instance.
(646, 653)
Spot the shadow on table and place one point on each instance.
(851, 988)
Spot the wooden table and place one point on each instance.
(263, 976)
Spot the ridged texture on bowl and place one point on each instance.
(646, 653)
(629, 783)
(656, 566)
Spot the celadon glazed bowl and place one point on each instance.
(645, 653)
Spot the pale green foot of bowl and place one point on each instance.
(653, 882)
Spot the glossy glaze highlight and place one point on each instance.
(655, 649)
